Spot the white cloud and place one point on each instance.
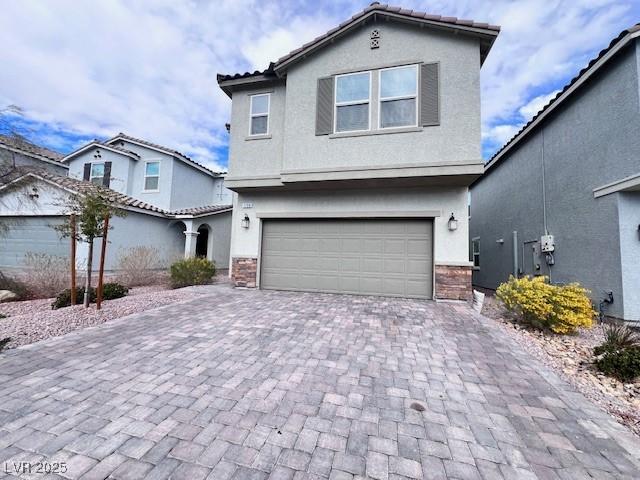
(530, 109)
(149, 68)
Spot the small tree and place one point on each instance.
(90, 208)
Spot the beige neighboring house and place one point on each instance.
(352, 157)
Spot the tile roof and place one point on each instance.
(168, 150)
(624, 35)
(97, 143)
(384, 8)
(82, 187)
(20, 143)
(373, 8)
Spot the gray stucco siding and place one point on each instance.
(220, 237)
(137, 230)
(629, 213)
(120, 167)
(260, 156)
(591, 140)
(295, 146)
(459, 59)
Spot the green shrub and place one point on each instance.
(192, 271)
(113, 290)
(2, 315)
(64, 298)
(563, 309)
(4, 342)
(623, 364)
(617, 336)
(110, 291)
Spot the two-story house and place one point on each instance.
(562, 198)
(352, 156)
(173, 204)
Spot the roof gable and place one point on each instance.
(485, 32)
(603, 57)
(95, 144)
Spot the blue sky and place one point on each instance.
(83, 70)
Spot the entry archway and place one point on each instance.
(202, 242)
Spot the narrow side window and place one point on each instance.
(475, 252)
(259, 114)
(151, 176)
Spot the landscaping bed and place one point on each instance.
(33, 320)
(571, 356)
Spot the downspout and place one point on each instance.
(544, 205)
(515, 254)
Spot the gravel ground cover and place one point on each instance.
(33, 320)
(571, 356)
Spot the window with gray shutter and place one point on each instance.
(106, 179)
(324, 106)
(429, 94)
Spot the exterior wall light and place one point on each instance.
(452, 223)
(244, 223)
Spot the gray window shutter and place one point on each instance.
(87, 172)
(429, 94)
(106, 180)
(324, 106)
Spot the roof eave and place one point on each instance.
(96, 144)
(33, 155)
(632, 34)
(489, 34)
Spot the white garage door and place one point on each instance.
(20, 235)
(390, 257)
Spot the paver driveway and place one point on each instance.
(247, 384)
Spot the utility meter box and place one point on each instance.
(547, 244)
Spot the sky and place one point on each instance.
(82, 70)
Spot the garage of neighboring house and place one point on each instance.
(22, 235)
(373, 256)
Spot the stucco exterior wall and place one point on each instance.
(293, 144)
(219, 237)
(592, 140)
(450, 247)
(456, 139)
(140, 230)
(629, 217)
(260, 156)
(121, 168)
(189, 187)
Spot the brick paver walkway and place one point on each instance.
(255, 385)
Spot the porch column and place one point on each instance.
(190, 239)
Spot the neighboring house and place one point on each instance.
(572, 172)
(173, 204)
(350, 154)
(17, 151)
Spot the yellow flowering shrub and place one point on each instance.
(563, 309)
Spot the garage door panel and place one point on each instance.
(361, 256)
(31, 234)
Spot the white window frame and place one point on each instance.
(475, 253)
(145, 176)
(337, 104)
(91, 176)
(255, 115)
(400, 97)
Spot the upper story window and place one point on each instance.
(399, 97)
(97, 173)
(259, 114)
(352, 99)
(151, 176)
